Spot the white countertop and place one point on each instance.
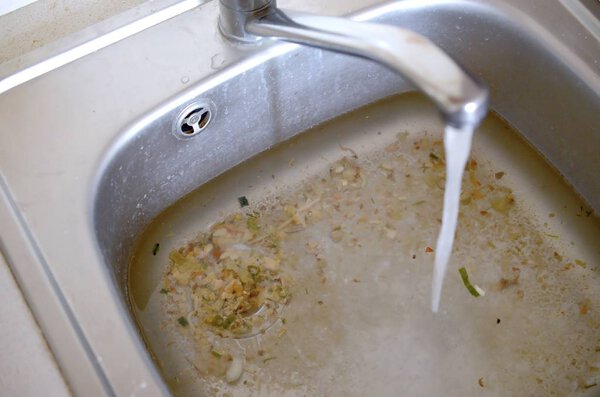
(27, 367)
(45, 21)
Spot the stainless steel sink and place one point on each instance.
(92, 152)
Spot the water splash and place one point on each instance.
(457, 144)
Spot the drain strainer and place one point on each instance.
(192, 120)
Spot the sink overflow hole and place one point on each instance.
(194, 120)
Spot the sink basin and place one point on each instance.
(365, 299)
(87, 182)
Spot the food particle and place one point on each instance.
(428, 249)
(503, 204)
(465, 279)
(243, 201)
(216, 354)
(497, 321)
(481, 382)
(235, 286)
(558, 256)
(337, 234)
(155, 249)
(347, 149)
(252, 223)
(584, 306)
(183, 321)
(499, 175)
(234, 372)
(504, 283)
(580, 263)
(164, 291)
(433, 156)
(479, 290)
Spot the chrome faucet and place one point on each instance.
(460, 97)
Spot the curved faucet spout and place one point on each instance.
(460, 97)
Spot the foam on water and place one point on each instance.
(457, 145)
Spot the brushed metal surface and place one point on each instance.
(87, 155)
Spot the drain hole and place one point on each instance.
(204, 117)
(193, 119)
(186, 129)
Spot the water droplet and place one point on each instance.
(217, 61)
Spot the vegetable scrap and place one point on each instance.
(473, 289)
(155, 249)
(581, 263)
(231, 276)
(243, 201)
(235, 370)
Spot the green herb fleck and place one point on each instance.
(465, 278)
(217, 321)
(580, 263)
(252, 223)
(227, 322)
(216, 354)
(183, 321)
(283, 321)
(243, 201)
(268, 359)
(419, 202)
(164, 291)
(155, 249)
(433, 156)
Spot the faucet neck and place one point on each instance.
(461, 98)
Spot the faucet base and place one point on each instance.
(235, 15)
